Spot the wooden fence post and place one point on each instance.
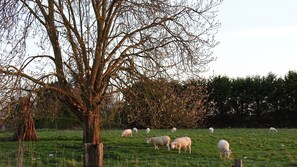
(238, 163)
(93, 155)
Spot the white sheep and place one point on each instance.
(211, 130)
(127, 132)
(182, 142)
(272, 129)
(224, 149)
(173, 129)
(148, 130)
(135, 130)
(159, 141)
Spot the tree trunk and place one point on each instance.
(93, 148)
(25, 129)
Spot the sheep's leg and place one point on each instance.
(225, 156)
(190, 149)
(168, 147)
(221, 155)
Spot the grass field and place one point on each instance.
(256, 147)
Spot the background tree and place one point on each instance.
(25, 125)
(219, 107)
(288, 114)
(192, 100)
(253, 101)
(92, 45)
(165, 104)
(51, 113)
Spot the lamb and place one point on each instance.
(224, 149)
(272, 129)
(148, 130)
(127, 133)
(173, 129)
(182, 142)
(135, 130)
(211, 130)
(159, 141)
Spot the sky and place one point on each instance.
(256, 37)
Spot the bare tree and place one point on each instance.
(95, 45)
(165, 104)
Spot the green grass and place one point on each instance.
(256, 147)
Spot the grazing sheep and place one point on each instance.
(182, 142)
(211, 130)
(127, 132)
(148, 130)
(272, 129)
(173, 129)
(223, 146)
(159, 141)
(135, 130)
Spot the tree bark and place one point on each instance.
(25, 129)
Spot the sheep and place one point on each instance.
(135, 130)
(173, 129)
(161, 140)
(211, 130)
(148, 130)
(127, 133)
(182, 142)
(272, 129)
(224, 149)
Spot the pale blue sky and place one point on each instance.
(256, 37)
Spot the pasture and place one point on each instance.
(256, 147)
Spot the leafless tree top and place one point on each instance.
(90, 44)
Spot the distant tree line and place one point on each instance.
(257, 101)
(253, 101)
(161, 103)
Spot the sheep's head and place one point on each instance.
(148, 139)
(173, 145)
(227, 153)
